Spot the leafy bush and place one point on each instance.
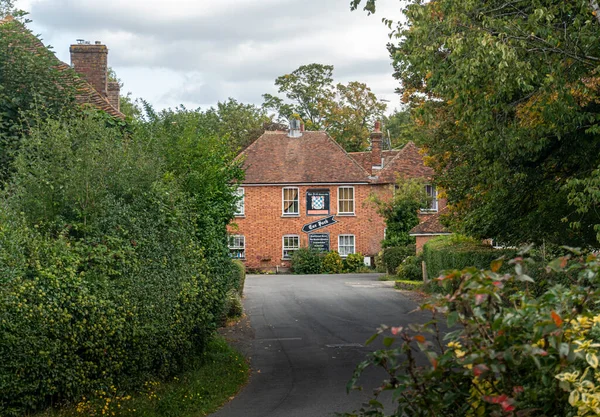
(392, 257)
(509, 352)
(306, 261)
(353, 262)
(457, 252)
(103, 277)
(233, 304)
(332, 263)
(240, 276)
(379, 265)
(410, 269)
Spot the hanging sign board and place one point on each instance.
(318, 224)
(317, 202)
(319, 241)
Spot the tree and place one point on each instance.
(402, 128)
(241, 123)
(401, 213)
(351, 114)
(508, 95)
(346, 111)
(307, 87)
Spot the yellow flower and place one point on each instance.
(459, 353)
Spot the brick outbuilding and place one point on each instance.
(302, 188)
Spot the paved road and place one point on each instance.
(309, 332)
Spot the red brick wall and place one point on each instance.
(263, 225)
(91, 62)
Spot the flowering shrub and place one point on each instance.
(506, 351)
(332, 263)
(353, 262)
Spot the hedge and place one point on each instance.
(394, 256)
(103, 278)
(458, 252)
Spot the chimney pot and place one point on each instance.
(377, 126)
(98, 43)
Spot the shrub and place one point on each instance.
(233, 304)
(509, 352)
(239, 271)
(332, 263)
(392, 257)
(410, 269)
(306, 261)
(457, 252)
(103, 278)
(353, 262)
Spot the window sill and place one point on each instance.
(346, 214)
(239, 215)
(290, 215)
(429, 211)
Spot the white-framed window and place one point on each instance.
(237, 246)
(291, 201)
(291, 243)
(433, 203)
(240, 206)
(345, 200)
(346, 245)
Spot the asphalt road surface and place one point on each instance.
(308, 336)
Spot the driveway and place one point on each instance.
(308, 336)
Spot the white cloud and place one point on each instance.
(199, 52)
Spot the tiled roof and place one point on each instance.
(275, 158)
(85, 93)
(408, 163)
(431, 226)
(364, 158)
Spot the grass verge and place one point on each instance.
(218, 375)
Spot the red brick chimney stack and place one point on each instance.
(91, 62)
(114, 90)
(376, 140)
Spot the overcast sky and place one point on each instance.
(199, 52)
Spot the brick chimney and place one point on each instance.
(376, 139)
(91, 62)
(114, 90)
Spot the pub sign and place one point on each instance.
(317, 202)
(319, 241)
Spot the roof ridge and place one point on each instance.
(347, 155)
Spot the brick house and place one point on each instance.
(88, 72)
(303, 188)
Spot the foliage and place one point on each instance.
(457, 252)
(204, 165)
(509, 352)
(507, 94)
(347, 112)
(408, 285)
(332, 263)
(306, 260)
(402, 128)
(105, 276)
(410, 268)
(240, 276)
(379, 265)
(234, 308)
(241, 123)
(353, 262)
(395, 255)
(31, 89)
(211, 379)
(401, 213)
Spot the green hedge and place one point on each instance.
(103, 279)
(394, 256)
(458, 252)
(239, 271)
(410, 269)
